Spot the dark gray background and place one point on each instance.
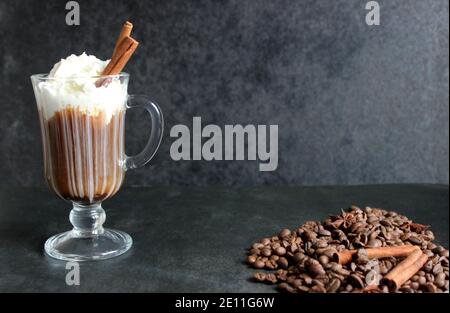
(355, 104)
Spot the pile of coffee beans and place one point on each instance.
(302, 260)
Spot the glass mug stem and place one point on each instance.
(84, 158)
(87, 220)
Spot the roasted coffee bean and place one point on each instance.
(422, 280)
(431, 246)
(258, 245)
(405, 236)
(282, 276)
(435, 259)
(317, 282)
(255, 251)
(309, 235)
(266, 252)
(290, 279)
(259, 264)
(429, 235)
(429, 277)
(336, 275)
(271, 264)
(306, 278)
(319, 244)
(283, 286)
(251, 259)
(362, 257)
(303, 289)
(259, 276)
(329, 252)
(280, 251)
(336, 267)
(327, 267)
(429, 287)
(291, 289)
(389, 265)
(284, 233)
(438, 249)
(297, 283)
(283, 263)
(274, 258)
(344, 272)
(298, 257)
(323, 259)
(321, 251)
(324, 232)
(318, 289)
(437, 269)
(374, 243)
(271, 278)
(440, 280)
(374, 234)
(406, 289)
(334, 285)
(314, 267)
(293, 248)
(428, 267)
(310, 252)
(265, 241)
(356, 281)
(275, 245)
(323, 278)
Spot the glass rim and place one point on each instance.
(46, 77)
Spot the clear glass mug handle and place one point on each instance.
(140, 159)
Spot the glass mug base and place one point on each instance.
(68, 247)
(88, 240)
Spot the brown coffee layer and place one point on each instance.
(84, 154)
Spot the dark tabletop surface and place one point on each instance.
(186, 239)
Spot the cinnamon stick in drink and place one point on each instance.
(405, 270)
(344, 257)
(125, 32)
(124, 49)
(120, 58)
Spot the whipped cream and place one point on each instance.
(71, 84)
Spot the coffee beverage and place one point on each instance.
(82, 129)
(83, 154)
(81, 110)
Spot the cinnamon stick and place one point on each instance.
(125, 32)
(123, 50)
(405, 270)
(346, 256)
(120, 58)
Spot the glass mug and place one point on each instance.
(84, 156)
